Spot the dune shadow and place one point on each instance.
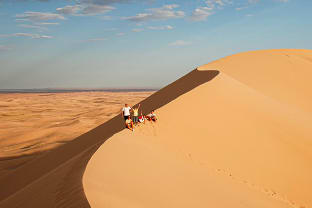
(176, 89)
(65, 165)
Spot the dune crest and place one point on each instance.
(243, 139)
(283, 75)
(232, 133)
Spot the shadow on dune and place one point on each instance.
(55, 178)
(176, 89)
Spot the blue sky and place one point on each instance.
(128, 43)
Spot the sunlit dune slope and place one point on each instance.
(284, 75)
(242, 139)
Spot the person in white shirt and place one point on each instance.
(126, 111)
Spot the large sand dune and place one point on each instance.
(232, 133)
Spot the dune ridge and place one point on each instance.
(225, 138)
(52, 174)
(250, 125)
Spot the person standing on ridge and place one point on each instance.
(125, 113)
(136, 114)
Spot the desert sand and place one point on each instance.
(34, 123)
(233, 133)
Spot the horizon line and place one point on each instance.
(63, 90)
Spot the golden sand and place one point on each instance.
(242, 139)
(235, 133)
(31, 123)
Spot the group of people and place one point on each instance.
(136, 116)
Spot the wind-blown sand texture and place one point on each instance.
(232, 133)
(32, 123)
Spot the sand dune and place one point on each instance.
(232, 133)
(33, 123)
(43, 119)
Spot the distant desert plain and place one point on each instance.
(31, 123)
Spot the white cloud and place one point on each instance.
(21, 20)
(217, 3)
(93, 9)
(29, 35)
(171, 6)
(137, 30)
(104, 2)
(35, 36)
(201, 13)
(40, 16)
(106, 18)
(86, 8)
(33, 27)
(95, 39)
(167, 27)
(47, 23)
(67, 10)
(162, 13)
(180, 43)
(241, 8)
(43, 36)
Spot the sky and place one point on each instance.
(137, 43)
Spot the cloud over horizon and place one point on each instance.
(180, 43)
(29, 35)
(163, 13)
(40, 16)
(167, 27)
(201, 13)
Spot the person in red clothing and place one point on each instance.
(142, 118)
